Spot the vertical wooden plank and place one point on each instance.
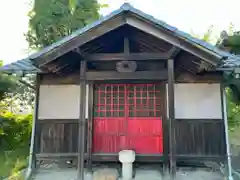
(66, 135)
(82, 121)
(90, 126)
(75, 134)
(171, 110)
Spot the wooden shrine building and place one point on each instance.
(129, 81)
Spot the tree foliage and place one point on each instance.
(233, 43)
(7, 84)
(15, 130)
(206, 36)
(50, 20)
(233, 110)
(15, 96)
(22, 98)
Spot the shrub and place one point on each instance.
(15, 130)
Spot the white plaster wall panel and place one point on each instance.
(59, 102)
(197, 101)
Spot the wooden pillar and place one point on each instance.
(165, 127)
(90, 126)
(82, 121)
(171, 119)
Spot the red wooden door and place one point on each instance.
(128, 116)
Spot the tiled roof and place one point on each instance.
(24, 65)
(229, 60)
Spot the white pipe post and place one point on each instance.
(229, 162)
(30, 158)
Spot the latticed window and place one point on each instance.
(127, 100)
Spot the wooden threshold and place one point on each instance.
(101, 157)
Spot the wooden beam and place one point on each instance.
(165, 133)
(139, 158)
(126, 46)
(124, 56)
(82, 121)
(173, 52)
(114, 75)
(90, 126)
(171, 116)
(206, 77)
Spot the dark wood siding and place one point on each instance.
(59, 136)
(195, 139)
(200, 137)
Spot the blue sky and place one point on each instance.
(188, 15)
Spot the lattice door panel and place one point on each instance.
(127, 116)
(144, 100)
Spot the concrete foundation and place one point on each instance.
(140, 173)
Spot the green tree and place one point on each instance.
(233, 110)
(22, 98)
(232, 43)
(208, 36)
(50, 20)
(7, 84)
(73, 4)
(16, 93)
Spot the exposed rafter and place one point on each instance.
(174, 51)
(152, 42)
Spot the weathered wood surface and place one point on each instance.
(130, 56)
(171, 119)
(196, 139)
(200, 137)
(180, 77)
(58, 137)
